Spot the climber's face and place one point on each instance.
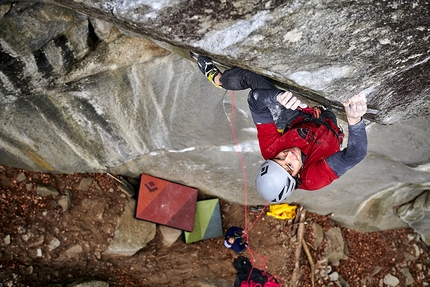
(290, 159)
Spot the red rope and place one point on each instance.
(254, 255)
(242, 165)
(246, 229)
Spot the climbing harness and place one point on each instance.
(315, 111)
(313, 114)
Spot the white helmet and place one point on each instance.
(274, 183)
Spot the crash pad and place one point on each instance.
(167, 203)
(207, 222)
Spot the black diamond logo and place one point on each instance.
(264, 170)
(151, 187)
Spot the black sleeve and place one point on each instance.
(355, 151)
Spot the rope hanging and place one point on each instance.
(253, 254)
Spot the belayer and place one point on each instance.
(234, 239)
(306, 153)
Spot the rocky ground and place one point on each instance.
(55, 228)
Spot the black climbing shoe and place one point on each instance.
(207, 67)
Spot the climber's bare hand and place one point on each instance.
(355, 108)
(288, 100)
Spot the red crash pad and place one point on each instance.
(166, 203)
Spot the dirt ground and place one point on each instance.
(41, 244)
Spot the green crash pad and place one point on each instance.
(207, 221)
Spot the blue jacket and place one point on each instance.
(236, 233)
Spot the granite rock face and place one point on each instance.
(417, 215)
(131, 234)
(324, 50)
(109, 86)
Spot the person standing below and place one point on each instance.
(234, 239)
(300, 144)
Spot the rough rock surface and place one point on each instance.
(323, 49)
(417, 215)
(84, 90)
(84, 282)
(131, 234)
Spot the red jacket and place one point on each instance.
(317, 142)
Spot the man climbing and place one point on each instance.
(301, 145)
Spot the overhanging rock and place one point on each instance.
(326, 51)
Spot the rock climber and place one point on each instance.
(300, 144)
(234, 239)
